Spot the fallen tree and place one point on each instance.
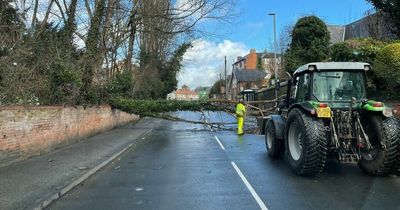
(164, 109)
(152, 107)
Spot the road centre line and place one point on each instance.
(249, 187)
(219, 142)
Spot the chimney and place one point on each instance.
(239, 58)
(251, 60)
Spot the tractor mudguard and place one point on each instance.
(305, 105)
(279, 123)
(369, 106)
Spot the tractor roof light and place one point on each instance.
(367, 67)
(312, 67)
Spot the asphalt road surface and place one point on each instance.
(185, 166)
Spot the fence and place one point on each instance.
(267, 94)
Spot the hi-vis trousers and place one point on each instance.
(240, 121)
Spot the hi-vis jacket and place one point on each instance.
(240, 110)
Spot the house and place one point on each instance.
(253, 60)
(375, 25)
(252, 71)
(245, 79)
(183, 94)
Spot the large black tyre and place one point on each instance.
(307, 157)
(381, 161)
(272, 143)
(396, 129)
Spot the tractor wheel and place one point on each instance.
(273, 144)
(396, 128)
(381, 160)
(306, 143)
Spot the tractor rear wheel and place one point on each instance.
(384, 159)
(273, 144)
(306, 143)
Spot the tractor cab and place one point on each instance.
(338, 85)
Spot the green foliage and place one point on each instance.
(152, 107)
(65, 83)
(341, 52)
(215, 89)
(160, 78)
(360, 50)
(95, 95)
(387, 68)
(392, 8)
(365, 50)
(121, 85)
(383, 80)
(172, 68)
(310, 41)
(151, 88)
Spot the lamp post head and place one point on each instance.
(273, 14)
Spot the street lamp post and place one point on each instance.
(275, 61)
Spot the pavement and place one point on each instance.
(178, 165)
(36, 181)
(185, 166)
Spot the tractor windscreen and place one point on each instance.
(338, 86)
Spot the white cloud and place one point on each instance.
(203, 63)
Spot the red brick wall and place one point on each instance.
(25, 131)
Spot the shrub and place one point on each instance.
(341, 52)
(64, 83)
(387, 68)
(121, 85)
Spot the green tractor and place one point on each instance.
(326, 113)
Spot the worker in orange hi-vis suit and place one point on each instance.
(240, 113)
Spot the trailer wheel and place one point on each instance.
(381, 161)
(273, 144)
(306, 143)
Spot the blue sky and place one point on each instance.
(253, 28)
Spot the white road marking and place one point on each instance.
(249, 187)
(219, 142)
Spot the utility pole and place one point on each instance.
(275, 61)
(220, 86)
(226, 82)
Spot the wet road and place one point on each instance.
(183, 166)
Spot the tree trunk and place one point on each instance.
(70, 25)
(35, 9)
(132, 34)
(92, 56)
